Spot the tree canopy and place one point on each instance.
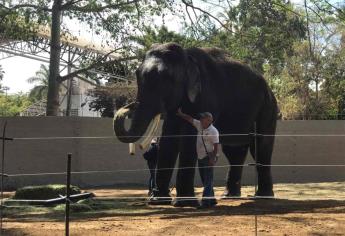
(12, 105)
(299, 47)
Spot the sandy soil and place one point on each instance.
(299, 209)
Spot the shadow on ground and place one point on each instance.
(122, 208)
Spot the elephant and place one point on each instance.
(198, 80)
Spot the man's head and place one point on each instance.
(206, 119)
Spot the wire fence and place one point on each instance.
(175, 136)
(143, 199)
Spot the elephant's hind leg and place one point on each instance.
(263, 157)
(236, 156)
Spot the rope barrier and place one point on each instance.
(144, 200)
(176, 168)
(175, 136)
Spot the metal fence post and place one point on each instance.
(2, 170)
(256, 173)
(68, 192)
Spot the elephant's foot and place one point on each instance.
(186, 202)
(264, 194)
(157, 198)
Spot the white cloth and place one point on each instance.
(210, 136)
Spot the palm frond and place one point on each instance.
(41, 76)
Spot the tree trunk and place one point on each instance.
(69, 86)
(54, 66)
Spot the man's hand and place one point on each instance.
(184, 116)
(212, 159)
(179, 112)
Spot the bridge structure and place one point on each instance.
(74, 52)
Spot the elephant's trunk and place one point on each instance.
(132, 134)
(140, 123)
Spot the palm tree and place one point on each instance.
(40, 91)
(1, 77)
(1, 73)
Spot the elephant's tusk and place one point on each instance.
(153, 129)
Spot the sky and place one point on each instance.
(17, 71)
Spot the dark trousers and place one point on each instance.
(152, 164)
(206, 174)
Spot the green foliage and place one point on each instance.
(87, 207)
(118, 18)
(161, 35)
(12, 105)
(21, 24)
(43, 192)
(39, 92)
(1, 76)
(115, 94)
(111, 97)
(79, 207)
(334, 77)
(98, 205)
(290, 44)
(262, 32)
(1, 73)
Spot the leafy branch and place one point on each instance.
(91, 8)
(40, 8)
(100, 62)
(208, 14)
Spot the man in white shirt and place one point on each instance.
(207, 150)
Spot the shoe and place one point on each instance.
(158, 199)
(264, 195)
(207, 203)
(190, 202)
(227, 195)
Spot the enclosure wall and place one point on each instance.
(108, 154)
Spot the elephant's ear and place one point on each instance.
(193, 79)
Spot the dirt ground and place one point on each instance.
(298, 209)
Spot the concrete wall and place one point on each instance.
(108, 154)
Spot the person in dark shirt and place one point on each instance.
(151, 156)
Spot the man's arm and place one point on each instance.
(184, 116)
(215, 139)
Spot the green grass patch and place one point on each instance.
(82, 208)
(43, 192)
(73, 208)
(95, 205)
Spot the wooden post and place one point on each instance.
(2, 172)
(256, 173)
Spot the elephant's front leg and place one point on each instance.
(186, 171)
(167, 155)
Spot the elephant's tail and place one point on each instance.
(267, 118)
